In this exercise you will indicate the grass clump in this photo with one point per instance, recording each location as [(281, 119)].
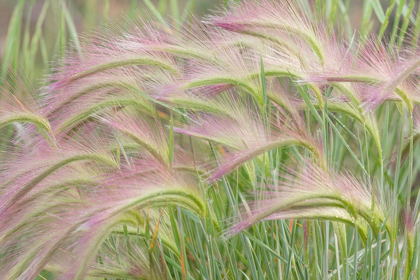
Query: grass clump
[(262, 142)]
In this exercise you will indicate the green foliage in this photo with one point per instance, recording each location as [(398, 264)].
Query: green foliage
[(182, 235)]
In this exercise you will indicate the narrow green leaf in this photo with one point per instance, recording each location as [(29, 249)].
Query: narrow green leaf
[(155, 12)]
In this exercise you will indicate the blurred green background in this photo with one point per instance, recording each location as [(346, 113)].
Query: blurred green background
[(33, 33), (88, 14)]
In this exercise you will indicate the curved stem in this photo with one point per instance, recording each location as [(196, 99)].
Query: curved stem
[(86, 113), (250, 154), (25, 117), (32, 183), (149, 61), (310, 40)]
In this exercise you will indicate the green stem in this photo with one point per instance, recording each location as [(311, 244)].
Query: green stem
[(410, 254), (148, 61), (410, 161), (81, 157), (25, 118)]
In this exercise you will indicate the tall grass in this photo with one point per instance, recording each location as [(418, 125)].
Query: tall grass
[(267, 140)]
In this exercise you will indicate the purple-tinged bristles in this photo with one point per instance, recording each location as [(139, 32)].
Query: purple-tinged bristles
[(145, 132), (152, 116), (125, 257), (382, 68), (86, 216), (263, 18), (245, 133), (19, 108), (312, 194)]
